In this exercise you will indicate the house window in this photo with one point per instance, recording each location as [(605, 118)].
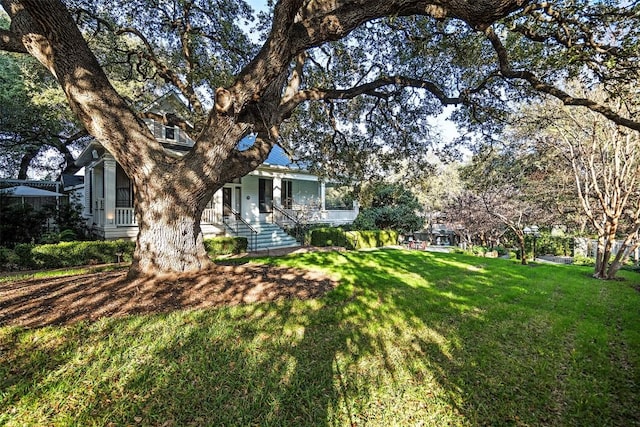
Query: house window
[(265, 195), (287, 193), (169, 132), (124, 189)]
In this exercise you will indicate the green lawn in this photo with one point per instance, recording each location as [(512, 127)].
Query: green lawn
[(409, 338)]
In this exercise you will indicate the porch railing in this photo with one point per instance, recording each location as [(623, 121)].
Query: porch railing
[(238, 223), (287, 221), (126, 217)]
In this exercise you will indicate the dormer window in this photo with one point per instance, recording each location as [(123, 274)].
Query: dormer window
[(170, 132)]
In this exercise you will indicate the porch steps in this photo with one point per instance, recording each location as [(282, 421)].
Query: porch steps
[(270, 236)]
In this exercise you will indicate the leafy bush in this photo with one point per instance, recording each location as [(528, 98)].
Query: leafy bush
[(373, 238), (584, 261), (69, 254), (23, 254), (8, 259), (553, 245), (19, 223), (330, 236), (50, 224), (389, 207), (225, 245)]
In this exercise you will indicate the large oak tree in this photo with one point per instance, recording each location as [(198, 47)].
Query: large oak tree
[(509, 47)]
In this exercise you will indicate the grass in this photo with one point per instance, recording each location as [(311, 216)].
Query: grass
[(408, 338)]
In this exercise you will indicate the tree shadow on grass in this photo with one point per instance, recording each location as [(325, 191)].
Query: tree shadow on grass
[(406, 338)]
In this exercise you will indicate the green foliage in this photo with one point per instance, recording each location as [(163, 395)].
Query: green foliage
[(364, 239), (75, 253), (225, 245), (554, 245), (330, 236), (8, 258), (19, 223), (34, 118), (69, 254), (584, 261), (23, 224), (357, 239), (23, 254), (389, 207)]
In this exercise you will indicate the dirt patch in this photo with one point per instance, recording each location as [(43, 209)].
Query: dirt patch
[(65, 300)]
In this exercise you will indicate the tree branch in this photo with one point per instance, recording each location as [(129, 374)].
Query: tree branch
[(372, 89), (10, 42), (539, 85)]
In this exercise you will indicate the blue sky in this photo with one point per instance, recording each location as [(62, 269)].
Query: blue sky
[(258, 4)]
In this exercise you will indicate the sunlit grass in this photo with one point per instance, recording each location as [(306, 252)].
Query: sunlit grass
[(408, 338)]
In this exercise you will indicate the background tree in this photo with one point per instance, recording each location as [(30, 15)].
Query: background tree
[(389, 207), (326, 58), (509, 181), (602, 160), (37, 134), (468, 217)]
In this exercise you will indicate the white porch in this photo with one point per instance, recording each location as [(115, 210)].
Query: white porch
[(257, 198)]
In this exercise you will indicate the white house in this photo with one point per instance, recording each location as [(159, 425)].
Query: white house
[(258, 205)]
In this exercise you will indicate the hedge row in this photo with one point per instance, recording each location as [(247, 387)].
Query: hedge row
[(71, 254), (330, 236)]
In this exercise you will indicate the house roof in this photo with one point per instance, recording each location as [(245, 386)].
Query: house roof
[(171, 102), (25, 191), (277, 156), (71, 180)]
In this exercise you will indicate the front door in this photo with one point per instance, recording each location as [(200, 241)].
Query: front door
[(265, 198), (231, 200), (226, 201)]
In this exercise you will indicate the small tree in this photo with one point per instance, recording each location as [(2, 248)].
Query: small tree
[(389, 207), (603, 158), (510, 183)]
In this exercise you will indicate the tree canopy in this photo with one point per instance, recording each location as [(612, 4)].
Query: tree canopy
[(389, 207), (334, 81)]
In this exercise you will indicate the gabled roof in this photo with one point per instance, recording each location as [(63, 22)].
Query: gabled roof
[(277, 155), (170, 102)]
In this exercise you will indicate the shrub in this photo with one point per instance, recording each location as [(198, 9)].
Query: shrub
[(69, 254), (554, 245), (330, 236), (225, 245), (389, 207), (584, 261), (8, 259), (24, 255)]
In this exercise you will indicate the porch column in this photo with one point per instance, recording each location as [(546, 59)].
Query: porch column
[(323, 196), (89, 185), (109, 192)]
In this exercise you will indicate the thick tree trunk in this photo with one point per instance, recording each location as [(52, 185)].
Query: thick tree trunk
[(170, 239)]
